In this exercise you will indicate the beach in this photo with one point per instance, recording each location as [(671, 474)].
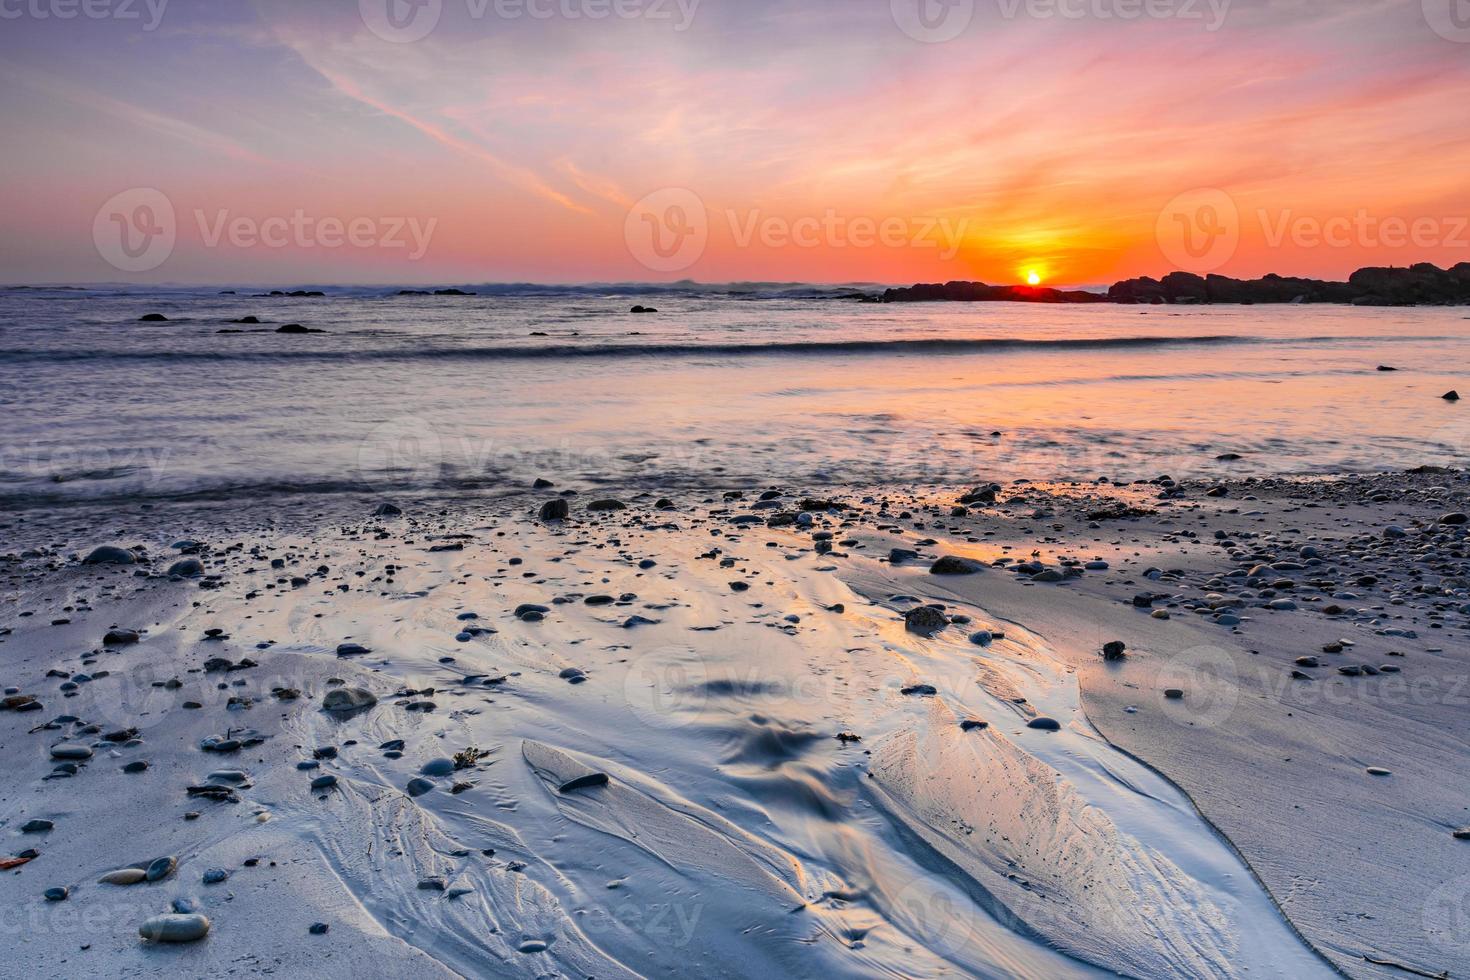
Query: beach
[(862, 730)]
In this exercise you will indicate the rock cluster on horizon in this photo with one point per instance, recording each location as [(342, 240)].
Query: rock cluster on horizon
[(1423, 284)]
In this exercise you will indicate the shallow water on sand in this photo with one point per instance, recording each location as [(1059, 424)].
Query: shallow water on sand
[(486, 393), (738, 836)]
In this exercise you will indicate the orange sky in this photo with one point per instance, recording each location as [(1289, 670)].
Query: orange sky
[(815, 141)]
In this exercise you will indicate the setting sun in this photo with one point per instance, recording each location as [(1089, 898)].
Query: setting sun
[(1033, 277)]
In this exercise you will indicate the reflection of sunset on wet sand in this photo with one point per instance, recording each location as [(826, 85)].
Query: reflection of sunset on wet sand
[(569, 488)]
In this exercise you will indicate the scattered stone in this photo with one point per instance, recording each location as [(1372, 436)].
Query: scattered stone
[(161, 868), (925, 620), (110, 555), (955, 565), (124, 876), (346, 700), (175, 928)]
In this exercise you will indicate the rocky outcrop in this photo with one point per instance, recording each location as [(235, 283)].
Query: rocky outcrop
[(979, 292), (1419, 285)]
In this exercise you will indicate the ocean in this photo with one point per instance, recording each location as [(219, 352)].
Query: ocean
[(732, 385)]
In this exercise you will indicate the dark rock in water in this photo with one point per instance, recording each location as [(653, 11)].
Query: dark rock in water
[(1451, 396), (187, 568), (388, 510), (152, 318), (110, 555), (1385, 367), (453, 292), (296, 328), (955, 565), (979, 292), (643, 309), (1454, 519), (542, 484), (925, 620), (248, 320), (1116, 650), (555, 510), (607, 505), (1044, 724)]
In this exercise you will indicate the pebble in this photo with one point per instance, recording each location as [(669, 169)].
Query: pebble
[(345, 700), (419, 786), (57, 894), (175, 928), (161, 868), (925, 620), (438, 767), (1044, 724), (215, 876), (123, 876), (75, 753), (954, 565), (110, 555)]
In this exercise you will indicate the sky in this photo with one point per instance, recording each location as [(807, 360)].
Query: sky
[(894, 141)]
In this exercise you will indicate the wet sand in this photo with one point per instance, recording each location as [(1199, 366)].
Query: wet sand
[(716, 736)]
